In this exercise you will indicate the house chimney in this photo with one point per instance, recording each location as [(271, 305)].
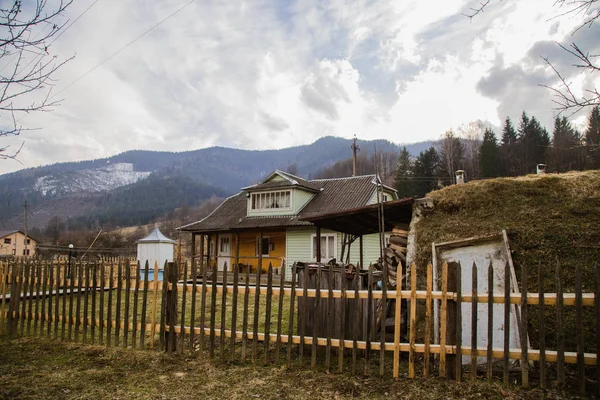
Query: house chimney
[(541, 169), (460, 176)]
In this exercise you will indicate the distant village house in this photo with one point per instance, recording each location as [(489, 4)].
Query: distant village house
[(12, 243)]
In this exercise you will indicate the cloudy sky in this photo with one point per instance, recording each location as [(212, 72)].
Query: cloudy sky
[(264, 74)]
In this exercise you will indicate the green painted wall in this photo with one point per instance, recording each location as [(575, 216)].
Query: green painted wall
[(298, 246), (299, 199)]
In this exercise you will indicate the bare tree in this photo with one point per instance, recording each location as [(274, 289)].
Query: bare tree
[(564, 97), (27, 66)]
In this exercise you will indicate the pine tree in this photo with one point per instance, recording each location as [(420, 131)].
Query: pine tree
[(592, 137), (509, 135), (426, 171), (533, 141), (403, 174), (565, 139), (489, 155), (508, 149)]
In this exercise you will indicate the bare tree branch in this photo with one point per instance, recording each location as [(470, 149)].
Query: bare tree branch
[(27, 28)]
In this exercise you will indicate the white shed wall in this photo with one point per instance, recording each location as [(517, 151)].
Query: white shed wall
[(155, 252)]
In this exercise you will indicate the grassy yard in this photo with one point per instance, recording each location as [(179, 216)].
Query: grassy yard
[(41, 368)]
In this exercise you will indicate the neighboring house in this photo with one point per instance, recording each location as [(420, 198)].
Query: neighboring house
[(274, 208), (12, 243)]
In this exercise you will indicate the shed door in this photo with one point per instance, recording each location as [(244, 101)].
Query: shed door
[(224, 251)]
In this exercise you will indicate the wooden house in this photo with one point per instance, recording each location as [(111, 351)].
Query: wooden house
[(268, 222)]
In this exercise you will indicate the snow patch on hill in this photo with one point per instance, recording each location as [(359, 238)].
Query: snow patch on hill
[(90, 180)]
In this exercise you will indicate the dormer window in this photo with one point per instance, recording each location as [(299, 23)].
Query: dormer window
[(276, 200)]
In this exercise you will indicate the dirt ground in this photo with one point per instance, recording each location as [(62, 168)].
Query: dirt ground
[(42, 368)]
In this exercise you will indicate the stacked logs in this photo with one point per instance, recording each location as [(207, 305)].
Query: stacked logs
[(395, 258)]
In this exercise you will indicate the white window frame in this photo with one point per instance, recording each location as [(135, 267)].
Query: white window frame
[(263, 201), (325, 257)]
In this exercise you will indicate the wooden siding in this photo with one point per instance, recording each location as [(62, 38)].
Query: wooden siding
[(248, 249)]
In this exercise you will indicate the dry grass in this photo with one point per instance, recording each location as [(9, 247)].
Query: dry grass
[(549, 218), (38, 368)]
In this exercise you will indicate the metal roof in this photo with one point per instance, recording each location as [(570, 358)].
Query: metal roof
[(365, 220), (156, 236), (332, 195)]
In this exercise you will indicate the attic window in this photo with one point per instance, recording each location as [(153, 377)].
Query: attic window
[(6, 240), (278, 200)]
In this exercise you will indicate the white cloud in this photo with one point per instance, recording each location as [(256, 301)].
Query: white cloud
[(265, 74)]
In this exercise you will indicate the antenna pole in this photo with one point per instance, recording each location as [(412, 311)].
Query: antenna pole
[(25, 225), (355, 149)]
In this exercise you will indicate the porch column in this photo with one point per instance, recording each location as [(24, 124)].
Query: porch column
[(260, 251), (208, 255), (361, 252), (193, 253), (216, 255), (237, 251), (318, 244), (202, 254)]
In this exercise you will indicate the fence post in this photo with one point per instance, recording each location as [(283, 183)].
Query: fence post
[(170, 307)]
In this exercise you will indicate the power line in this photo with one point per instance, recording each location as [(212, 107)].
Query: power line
[(123, 48)]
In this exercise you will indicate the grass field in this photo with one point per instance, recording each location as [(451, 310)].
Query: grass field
[(41, 368)]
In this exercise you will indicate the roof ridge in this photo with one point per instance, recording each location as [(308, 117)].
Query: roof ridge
[(343, 178)]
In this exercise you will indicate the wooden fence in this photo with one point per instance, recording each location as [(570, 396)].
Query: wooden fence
[(231, 318)]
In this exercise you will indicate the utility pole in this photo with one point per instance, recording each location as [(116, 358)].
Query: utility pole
[(25, 225), (355, 149)]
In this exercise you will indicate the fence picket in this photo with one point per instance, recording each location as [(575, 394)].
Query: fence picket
[(279, 314), (458, 331), (245, 316), (94, 290), (291, 315), (474, 323), (490, 325), (342, 323), (36, 315), (144, 303), (86, 302), (506, 329), (127, 267), (31, 296), (560, 334), (369, 317), (316, 308), (523, 330), (579, 334), (109, 305), (597, 313), (203, 306), (304, 314), (330, 325), (118, 306), (268, 305), (44, 288), (56, 307), (213, 305), (136, 294), (413, 321), (443, 321), (383, 319), (234, 298), (23, 292), (101, 301), (356, 319), (428, 307), (71, 299), (193, 308), (542, 327), (223, 313), (63, 330), (183, 304)]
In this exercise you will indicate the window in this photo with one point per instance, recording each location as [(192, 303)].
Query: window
[(265, 246), (385, 197), (6, 240), (328, 247), (224, 246), (280, 200), (25, 252), (28, 241)]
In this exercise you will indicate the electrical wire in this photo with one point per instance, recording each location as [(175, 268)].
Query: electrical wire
[(123, 48)]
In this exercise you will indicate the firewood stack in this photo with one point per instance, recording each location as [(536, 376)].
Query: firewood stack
[(395, 256)]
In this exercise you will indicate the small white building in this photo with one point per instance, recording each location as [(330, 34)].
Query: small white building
[(155, 248)]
